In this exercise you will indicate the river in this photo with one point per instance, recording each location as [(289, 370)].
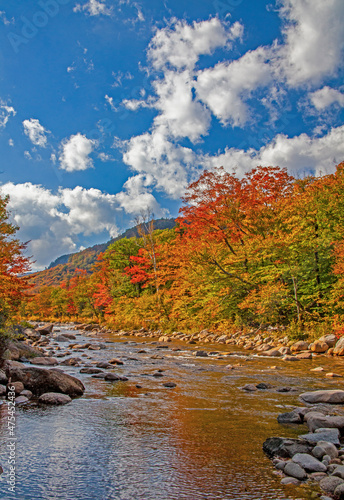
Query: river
[(200, 440)]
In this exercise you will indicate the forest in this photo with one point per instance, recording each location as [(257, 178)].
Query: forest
[(263, 249)]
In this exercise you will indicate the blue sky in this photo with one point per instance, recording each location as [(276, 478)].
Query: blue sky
[(109, 108)]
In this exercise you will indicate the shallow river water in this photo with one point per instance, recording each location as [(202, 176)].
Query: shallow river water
[(200, 440)]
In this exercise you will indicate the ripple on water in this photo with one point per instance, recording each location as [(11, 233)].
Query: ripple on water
[(201, 440)]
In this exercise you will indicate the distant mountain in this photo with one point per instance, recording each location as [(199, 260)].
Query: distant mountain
[(63, 268)]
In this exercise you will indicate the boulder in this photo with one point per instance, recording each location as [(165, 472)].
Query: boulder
[(339, 347), (316, 420), (3, 390), (295, 470), (104, 364), (339, 471), (116, 362), (319, 346), (304, 355), (301, 345), (339, 492), (71, 362), (326, 435), (90, 371), (308, 462), (54, 398), (325, 448), (330, 339), (62, 338), (292, 417), (40, 381), (334, 396), (3, 377), (18, 387), (19, 400), (285, 447), (330, 483), (44, 361), (45, 329), (170, 384)]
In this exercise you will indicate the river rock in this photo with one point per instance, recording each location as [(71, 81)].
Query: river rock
[(308, 462), (339, 347), (290, 358), (304, 355), (301, 345), (315, 421), (285, 447), (19, 400), (112, 377), (330, 339), (319, 346), (3, 377), (292, 417), (339, 471), (339, 492), (330, 483), (170, 384), (104, 364), (327, 435), (46, 329), (62, 338), (40, 380), (335, 396), (324, 448), (295, 470), (116, 362), (274, 353), (90, 371), (290, 480), (54, 398), (3, 390), (44, 361), (202, 354), (18, 387), (71, 362), (28, 394)]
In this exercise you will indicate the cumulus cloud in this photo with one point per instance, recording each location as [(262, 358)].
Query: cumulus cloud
[(300, 154), (5, 113), (180, 45), (182, 115), (135, 197), (226, 86), (313, 44), (55, 221), (94, 8), (75, 153), (36, 132), (166, 164), (325, 97)]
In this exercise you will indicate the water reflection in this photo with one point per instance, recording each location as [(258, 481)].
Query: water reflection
[(201, 440)]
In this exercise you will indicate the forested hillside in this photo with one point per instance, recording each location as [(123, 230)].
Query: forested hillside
[(64, 267), (266, 249)]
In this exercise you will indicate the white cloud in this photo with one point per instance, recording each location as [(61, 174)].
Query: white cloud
[(182, 115), (27, 155), (10, 142), (181, 45), (75, 153), (135, 104), (314, 34), (36, 132), (4, 18), (5, 113), (109, 100), (226, 87), (105, 157), (167, 165), (94, 8), (136, 198), (298, 154), (54, 222), (325, 97)]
